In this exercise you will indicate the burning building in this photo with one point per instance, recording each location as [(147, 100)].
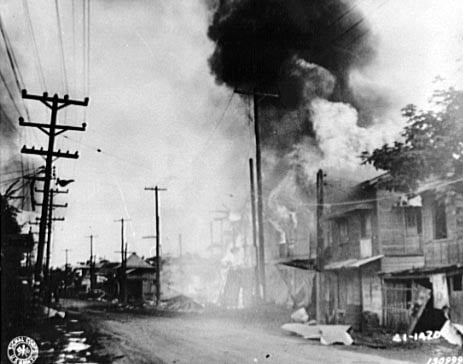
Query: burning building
[(305, 53)]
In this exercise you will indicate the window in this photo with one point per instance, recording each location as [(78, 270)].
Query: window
[(365, 225), (440, 221), (343, 229), (412, 221), (457, 282)]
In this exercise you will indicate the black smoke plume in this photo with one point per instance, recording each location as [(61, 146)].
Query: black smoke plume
[(255, 40)]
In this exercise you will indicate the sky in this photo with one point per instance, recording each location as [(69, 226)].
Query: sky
[(157, 117)]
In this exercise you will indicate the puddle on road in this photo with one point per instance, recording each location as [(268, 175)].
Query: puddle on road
[(71, 346)]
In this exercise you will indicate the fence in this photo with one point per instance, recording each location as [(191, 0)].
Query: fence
[(396, 305)]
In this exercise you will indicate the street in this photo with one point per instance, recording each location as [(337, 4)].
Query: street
[(204, 338), (224, 181)]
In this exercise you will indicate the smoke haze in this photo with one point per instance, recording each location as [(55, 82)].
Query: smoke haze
[(161, 113)]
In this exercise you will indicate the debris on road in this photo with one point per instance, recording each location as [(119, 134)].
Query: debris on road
[(335, 334), (52, 313), (300, 315), (453, 333), (327, 334), (306, 331)]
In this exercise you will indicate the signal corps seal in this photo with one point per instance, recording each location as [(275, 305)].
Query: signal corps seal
[(22, 350)]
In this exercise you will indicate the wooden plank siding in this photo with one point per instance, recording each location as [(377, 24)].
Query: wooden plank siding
[(371, 289), (400, 263), (391, 227), (447, 251)]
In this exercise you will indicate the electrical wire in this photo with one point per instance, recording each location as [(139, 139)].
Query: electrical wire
[(84, 48), (63, 58), (111, 155), (357, 24), (37, 58), (88, 50), (74, 48), (13, 64), (9, 93), (10, 123), (219, 122)]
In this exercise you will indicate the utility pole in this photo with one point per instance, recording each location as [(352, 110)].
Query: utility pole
[(66, 271), (123, 291), (47, 264), (320, 240), (257, 96), (156, 190), (52, 129), (320, 246), (180, 245), (253, 221), (92, 262), (66, 251), (50, 219)]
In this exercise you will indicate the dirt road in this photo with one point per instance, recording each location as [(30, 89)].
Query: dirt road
[(202, 339)]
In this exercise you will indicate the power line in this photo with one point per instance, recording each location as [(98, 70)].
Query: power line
[(357, 24), (87, 91), (38, 63), (84, 42), (214, 130), (74, 48), (9, 93), (13, 63), (10, 123), (63, 60)]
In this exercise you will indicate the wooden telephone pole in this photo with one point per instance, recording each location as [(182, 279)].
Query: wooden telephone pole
[(320, 247), (50, 219), (253, 220), (257, 96), (92, 262), (123, 251), (66, 271), (52, 129), (49, 222), (156, 190)]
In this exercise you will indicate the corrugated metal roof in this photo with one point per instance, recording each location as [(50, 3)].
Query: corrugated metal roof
[(351, 263)]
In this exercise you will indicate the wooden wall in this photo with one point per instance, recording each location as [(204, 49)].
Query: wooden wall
[(371, 289), (456, 302), (440, 252), (391, 227)]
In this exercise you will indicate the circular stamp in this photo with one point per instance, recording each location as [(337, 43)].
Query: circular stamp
[(22, 350)]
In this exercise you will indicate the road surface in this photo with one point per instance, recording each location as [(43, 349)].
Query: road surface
[(139, 339)]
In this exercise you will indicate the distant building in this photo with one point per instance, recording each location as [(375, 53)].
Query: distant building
[(141, 279)]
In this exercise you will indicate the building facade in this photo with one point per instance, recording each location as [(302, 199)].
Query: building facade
[(382, 247)]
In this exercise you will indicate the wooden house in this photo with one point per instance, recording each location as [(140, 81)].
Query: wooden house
[(141, 279), (381, 246)]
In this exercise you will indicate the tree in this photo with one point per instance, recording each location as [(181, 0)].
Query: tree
[(431, 145)]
